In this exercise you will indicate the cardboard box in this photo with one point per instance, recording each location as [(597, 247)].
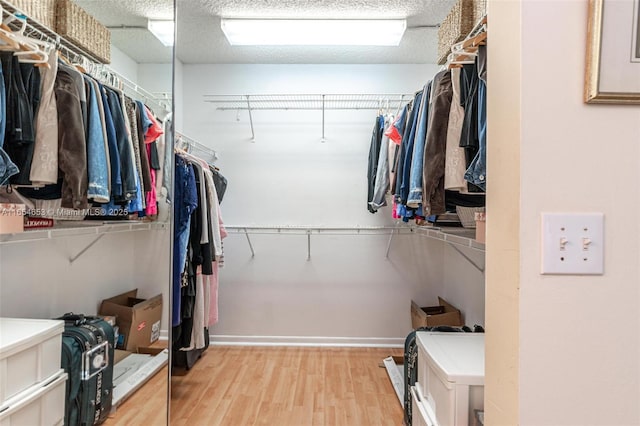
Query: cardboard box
[(481, 233), (138, 320), (11, 218), (428, 316)]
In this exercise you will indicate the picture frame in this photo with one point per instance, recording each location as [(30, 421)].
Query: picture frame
[(613, 52)]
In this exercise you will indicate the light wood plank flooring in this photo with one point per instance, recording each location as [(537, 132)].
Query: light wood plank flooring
[(279, 386)]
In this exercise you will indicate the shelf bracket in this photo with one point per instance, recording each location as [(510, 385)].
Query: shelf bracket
[(253, 133), (308, 245), (393, 232), (323, 140), (246, 234), (84, 250), (475, 265)]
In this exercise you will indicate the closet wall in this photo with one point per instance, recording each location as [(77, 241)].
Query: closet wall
[(577, 357), (36, 278), (348, 292)]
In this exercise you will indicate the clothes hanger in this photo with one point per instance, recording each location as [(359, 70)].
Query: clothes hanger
[(30, 50)]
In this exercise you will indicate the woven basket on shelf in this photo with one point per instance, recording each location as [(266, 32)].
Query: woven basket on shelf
[(41, 11), (82, 29), (467, 215), (464, 15)]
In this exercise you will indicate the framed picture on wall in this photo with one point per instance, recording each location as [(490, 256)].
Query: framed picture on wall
[(613, 52)]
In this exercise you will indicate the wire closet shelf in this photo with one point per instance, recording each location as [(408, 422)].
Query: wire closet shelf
[(308, 101), (383, 102), (196, 148), (86, 59)]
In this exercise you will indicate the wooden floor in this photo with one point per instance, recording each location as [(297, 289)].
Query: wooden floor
[(293, 386)]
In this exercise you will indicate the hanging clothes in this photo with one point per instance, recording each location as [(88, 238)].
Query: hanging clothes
[(44, 167), (477, 171), (381, 183), (414, 197), (455, 157), (19, 130), (433, 202), (72, 145), (186, 200), (395, 133), (7, 167), (374, 154), (97, 157)]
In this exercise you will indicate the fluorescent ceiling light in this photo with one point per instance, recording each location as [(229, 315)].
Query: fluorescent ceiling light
[(314, 32), (163, 30)]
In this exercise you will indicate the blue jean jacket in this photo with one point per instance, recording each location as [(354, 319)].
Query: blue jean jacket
[(414, 199), (477, 171), (407, 143), (97, 165)]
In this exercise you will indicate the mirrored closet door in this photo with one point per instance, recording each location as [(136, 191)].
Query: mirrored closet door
[(107, 250)]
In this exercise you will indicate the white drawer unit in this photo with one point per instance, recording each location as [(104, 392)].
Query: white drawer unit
[(30, 351), (421, 411), (41, 405), (451, 375)]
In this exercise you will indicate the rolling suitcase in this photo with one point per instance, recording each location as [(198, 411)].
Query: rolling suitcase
[(87, 357)]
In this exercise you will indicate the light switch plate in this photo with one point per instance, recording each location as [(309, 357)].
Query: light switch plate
[(573, 243)]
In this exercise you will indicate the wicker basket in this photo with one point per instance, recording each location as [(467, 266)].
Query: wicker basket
[(82, 29), (41, 11), (464, 15), (467, 215)]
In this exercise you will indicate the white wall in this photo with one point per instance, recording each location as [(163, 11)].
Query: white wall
[(579, 355), (287, 177), (123, 64), (38, 281), (178, 99), (156, 78)]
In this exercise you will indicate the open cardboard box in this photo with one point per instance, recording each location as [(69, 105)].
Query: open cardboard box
[(432, 316), (138, 320)]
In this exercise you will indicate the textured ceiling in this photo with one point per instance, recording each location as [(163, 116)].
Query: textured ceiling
[(200, 39)]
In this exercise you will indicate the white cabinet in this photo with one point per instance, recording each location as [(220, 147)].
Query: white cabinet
[(30, 351), (451, 376)]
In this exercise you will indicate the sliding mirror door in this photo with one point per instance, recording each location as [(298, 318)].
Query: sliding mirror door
[(75, 265)]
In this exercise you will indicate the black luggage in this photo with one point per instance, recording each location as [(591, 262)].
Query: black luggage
[(87, 357)]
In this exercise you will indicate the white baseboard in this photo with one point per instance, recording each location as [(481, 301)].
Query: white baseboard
[(359, 342), (164, 334)]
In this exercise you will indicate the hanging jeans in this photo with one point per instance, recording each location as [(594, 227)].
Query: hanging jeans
[(97, 165), (117, 194), (414, 198), (407, 142)]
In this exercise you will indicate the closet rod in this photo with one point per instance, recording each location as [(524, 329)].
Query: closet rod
[(83, 57), (308, 231), (455, 237)]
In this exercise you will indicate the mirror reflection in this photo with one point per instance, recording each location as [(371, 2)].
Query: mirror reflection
[(319, 274), (85, 224)]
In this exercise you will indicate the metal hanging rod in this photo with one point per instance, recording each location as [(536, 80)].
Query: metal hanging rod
[(309, 102), (85, 58), (455, 237)]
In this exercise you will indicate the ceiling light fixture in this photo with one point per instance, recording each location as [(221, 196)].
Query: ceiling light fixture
[(314, 32), (163, 30)]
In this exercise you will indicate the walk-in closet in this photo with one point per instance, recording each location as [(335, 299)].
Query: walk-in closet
[(264, 222)]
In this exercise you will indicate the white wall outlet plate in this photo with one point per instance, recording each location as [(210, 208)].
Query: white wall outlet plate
[(573, 243)]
